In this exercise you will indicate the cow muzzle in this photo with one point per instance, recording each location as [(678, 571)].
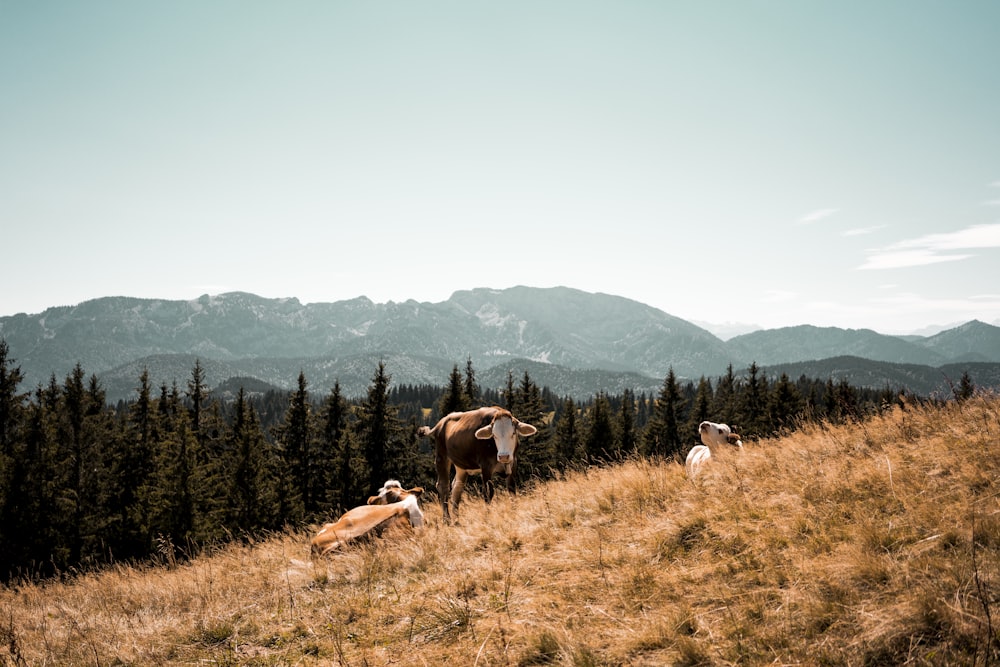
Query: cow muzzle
[(504, 458)]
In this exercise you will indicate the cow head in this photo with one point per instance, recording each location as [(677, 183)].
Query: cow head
[(393, 492), (505, 429)]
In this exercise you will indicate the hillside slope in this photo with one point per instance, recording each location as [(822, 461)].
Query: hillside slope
[(864, 544)]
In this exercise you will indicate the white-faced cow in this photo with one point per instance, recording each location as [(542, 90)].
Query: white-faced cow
[(478, 441), (718, 434), (391, 492), (712, 435), (378, 515)]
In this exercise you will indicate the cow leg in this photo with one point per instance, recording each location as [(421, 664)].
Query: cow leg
[(487, 485), (511, 481), (444, 484), (457, 487)]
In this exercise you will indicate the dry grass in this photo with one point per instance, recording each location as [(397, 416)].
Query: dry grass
[(866, 544)]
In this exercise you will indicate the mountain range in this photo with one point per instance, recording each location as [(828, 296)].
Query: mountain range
[(575, 342)]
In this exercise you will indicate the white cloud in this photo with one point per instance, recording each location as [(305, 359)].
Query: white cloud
[(991, 202), (903, 258), (861, 231), (933, 248), (817, 215), (995, 184)]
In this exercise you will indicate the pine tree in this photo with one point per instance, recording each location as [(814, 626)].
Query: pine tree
[(509, 394), (724, 402), (663, 431), (536, 454), (34, 518), (173, 507), (599, 438), (786, 403), (471, 388), (753, 420), (966, 387), (131, 469), (253, 492), (295, 437), (342, 479), (197, 390), (567, 441), (454, 398), (627, 441), (12, 459), (701, 410), (379, 430)]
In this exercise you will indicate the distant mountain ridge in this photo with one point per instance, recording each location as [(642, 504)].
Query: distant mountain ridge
[(571, 336)]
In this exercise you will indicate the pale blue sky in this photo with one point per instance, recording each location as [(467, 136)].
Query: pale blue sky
[(776, 163)]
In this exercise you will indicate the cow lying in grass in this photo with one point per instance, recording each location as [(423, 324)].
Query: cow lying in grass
[(712, 435), (394, 506)]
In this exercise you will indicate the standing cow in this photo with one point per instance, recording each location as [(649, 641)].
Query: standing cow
[(478, 441)]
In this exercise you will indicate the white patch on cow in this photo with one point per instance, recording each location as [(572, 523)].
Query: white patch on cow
[(696, 458), (504, 436), (412, 505)]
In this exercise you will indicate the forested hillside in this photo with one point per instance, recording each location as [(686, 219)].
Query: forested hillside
[(84, 483)]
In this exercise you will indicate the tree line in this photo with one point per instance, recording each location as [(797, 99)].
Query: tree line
[(84, 483)]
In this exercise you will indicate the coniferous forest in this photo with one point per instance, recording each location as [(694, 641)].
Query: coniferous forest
[(84, 483)]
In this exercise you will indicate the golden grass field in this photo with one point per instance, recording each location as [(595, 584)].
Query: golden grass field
[(866, 544)]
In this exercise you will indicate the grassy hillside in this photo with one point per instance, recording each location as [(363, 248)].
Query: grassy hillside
[(866, 544)]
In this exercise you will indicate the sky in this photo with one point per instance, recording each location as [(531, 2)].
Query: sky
[(767, 163)]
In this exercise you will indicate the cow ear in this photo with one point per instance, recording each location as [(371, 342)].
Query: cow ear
[(416, 491), (485, 433), (526, 429)]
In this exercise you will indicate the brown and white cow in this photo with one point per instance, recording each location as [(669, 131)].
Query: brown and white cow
[(478, 441), (373, 518)]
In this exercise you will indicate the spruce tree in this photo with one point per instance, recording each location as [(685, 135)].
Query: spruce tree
[(724, 402), (173, 508), (33, 519), (472, 394), (966, 387), (663, 430), (295, 438), (131, 469), (567, 440), (627, 441), (379, 431), (599, 439), (253, 491), (454, 398), (536, 455), (752, 420), (786, 404), (12, 459), (197, 391), (342, 480), (701, 410)]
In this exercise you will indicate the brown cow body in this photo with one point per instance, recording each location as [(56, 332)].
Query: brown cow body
[(480, 441), (373, 518)]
